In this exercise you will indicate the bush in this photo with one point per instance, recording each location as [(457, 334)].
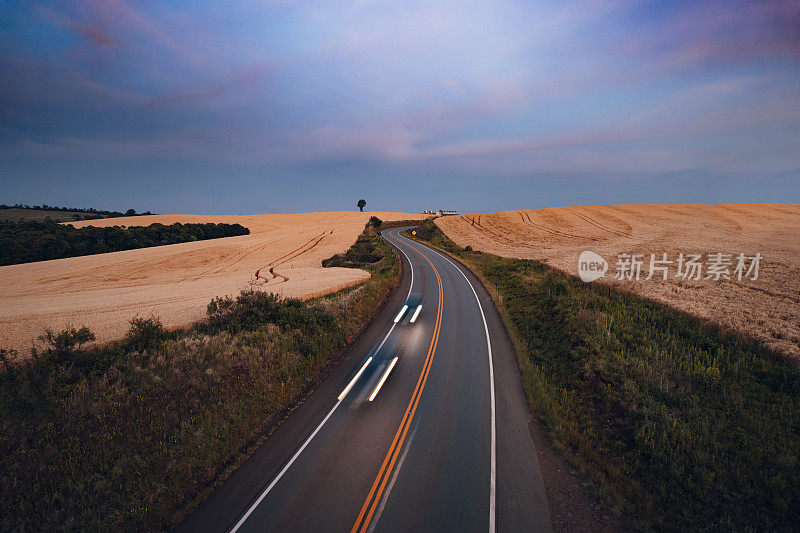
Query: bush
[(248, 311), (6, 356), (66, 342), (360, 255), (375, 222), (252, 310), (426, 230), (145, 334)]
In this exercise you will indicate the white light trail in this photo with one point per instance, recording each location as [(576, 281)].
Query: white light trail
[(400, 314), (380, 383), (353, 381)]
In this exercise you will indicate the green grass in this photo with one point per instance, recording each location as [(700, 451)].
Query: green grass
[(126, 436), (676, 423)]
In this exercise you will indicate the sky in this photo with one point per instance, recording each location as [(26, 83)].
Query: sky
[(244, 106)]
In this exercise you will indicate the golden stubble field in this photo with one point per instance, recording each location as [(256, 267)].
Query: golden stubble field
[(282, 254), (767, 308)]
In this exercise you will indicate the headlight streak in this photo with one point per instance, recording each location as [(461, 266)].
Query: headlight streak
[(353, 381), (380, 383), (400, 314)]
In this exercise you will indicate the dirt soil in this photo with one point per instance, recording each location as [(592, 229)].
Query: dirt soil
[(767, 308), (282, 254)]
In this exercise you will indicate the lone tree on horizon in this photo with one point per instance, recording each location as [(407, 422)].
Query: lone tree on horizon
[(361, 204)]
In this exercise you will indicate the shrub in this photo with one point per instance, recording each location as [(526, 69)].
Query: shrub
[(247, 311), (360, 255), (375, 222), (6, 356), (426, 230), (67, 341), (145, 334), (253, 309)]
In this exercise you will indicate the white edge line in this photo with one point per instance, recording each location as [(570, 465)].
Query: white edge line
[(493, 465), (400, 314), (274, 482), (380, 383), (378, 349), (283, 470), (353, 381), (416, 314), (410, 266)]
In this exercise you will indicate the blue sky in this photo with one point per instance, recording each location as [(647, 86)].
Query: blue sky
[(283, 106)]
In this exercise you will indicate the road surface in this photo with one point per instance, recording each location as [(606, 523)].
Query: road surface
[(441, 447)]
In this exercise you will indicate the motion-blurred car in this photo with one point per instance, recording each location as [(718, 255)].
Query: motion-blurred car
[(410, 311)]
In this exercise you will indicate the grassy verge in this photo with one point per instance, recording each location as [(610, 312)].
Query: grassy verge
[(676, 423), (122, 436)]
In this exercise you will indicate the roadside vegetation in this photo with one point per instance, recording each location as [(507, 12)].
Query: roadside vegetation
[(38, 240), (677, 423), (364, 252), (128, 436)]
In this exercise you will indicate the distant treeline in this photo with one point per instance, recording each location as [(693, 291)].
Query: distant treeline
[(38, 240), (99, 213)]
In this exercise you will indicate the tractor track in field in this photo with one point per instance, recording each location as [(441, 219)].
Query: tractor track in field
[(526, 219), (236, 258), (297, 252), (600, 226), (476, 223)]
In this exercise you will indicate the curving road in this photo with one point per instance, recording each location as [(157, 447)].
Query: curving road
[(443, 445)]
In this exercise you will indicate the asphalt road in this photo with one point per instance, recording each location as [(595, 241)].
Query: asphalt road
[(441, 447)]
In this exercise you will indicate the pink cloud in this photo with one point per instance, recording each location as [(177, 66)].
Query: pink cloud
[(94, 34), (708, 33)]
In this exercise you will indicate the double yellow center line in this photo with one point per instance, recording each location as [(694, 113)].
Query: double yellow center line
[(385, 472)]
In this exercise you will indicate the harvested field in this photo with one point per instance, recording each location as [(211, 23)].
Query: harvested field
[(282, 254), (767, 308)]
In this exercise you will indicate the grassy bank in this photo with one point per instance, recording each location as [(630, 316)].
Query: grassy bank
[(124, 436), (677, 424)]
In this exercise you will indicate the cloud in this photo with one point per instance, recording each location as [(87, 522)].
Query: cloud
[(716, 33), (122, 15), (521, 86), (94, 34)]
